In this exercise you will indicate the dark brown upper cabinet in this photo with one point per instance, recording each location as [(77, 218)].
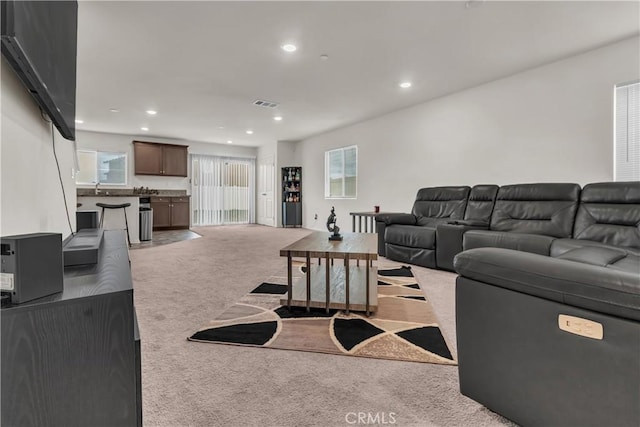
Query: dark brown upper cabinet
[(151, 158)]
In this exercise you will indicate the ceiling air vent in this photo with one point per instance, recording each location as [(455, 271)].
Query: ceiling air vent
[(263, 103)]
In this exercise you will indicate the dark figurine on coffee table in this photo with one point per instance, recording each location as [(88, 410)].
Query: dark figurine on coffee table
[(331, 226)]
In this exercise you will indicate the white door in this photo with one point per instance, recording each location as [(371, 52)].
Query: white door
[(266, 181)]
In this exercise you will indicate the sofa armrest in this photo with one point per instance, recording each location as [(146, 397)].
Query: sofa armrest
[(592, 287), (482, 224), (397, 218), (449, 242)]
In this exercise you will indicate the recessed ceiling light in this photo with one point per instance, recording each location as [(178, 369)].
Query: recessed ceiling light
[(229, 142), (114, 110), (220, 127), (249, 132), (144, 129), (405, 85), (277, 118), (152, 112), (324, 56), (79, 121), (289, 47)]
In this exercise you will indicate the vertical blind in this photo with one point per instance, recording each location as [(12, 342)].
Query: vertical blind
[(222, 190), (627, 132)]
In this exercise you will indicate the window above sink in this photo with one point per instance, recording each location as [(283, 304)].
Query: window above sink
[(101, 167)]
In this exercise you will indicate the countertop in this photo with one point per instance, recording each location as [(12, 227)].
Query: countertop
[(110, 192)]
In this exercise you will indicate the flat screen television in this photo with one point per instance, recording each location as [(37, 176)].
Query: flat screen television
[(39, 41)]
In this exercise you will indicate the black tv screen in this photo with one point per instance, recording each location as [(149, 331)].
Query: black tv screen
[(39, 41)]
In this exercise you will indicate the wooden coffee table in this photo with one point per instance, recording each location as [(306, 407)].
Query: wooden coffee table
[(342, 287)]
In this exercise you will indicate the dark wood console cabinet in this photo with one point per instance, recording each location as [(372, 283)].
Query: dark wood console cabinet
[(73, 358), (170, 212), (151, 158)]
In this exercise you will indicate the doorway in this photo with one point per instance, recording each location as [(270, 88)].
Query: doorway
[(266, 182)]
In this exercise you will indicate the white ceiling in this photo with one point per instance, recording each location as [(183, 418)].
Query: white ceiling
[(202, 64)]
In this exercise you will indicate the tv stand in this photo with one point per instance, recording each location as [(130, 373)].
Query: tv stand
[(73, 358)]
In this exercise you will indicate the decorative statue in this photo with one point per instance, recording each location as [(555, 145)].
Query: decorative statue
[(331, 226)]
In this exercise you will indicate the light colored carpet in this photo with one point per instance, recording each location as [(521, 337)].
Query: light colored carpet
[(181, 286)]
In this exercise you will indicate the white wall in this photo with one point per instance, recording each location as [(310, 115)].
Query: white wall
[(553, 123), (123, 143), (31, 196)]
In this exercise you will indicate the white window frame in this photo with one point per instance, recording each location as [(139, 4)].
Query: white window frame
[(327, 175), (126, 168), (629, 136)]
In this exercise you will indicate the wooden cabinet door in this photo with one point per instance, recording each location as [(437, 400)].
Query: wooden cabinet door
[(180, 212), (161, 212), (175, 160), (148, 158)]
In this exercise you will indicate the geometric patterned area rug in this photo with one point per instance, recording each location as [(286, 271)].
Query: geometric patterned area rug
[(403, 328)]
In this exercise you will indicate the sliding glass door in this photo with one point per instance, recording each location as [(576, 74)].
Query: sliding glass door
[(222, 190)]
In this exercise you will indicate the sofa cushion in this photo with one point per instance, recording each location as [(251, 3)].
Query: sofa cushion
[(594, 256), (560, 246), (533, 243), (546, 209), (602, 289), (481, 201), (605, 256), (435, 205), (609, 212), (411, 235)]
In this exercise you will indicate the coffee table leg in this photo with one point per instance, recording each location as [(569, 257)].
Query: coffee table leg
[(367, 286), (308, 281), (327, 278), (289, 280), (346, 282)]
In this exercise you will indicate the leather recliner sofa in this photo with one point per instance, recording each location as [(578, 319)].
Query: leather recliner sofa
[(431, 235), (528, 217), (412, 237), (555, 340)]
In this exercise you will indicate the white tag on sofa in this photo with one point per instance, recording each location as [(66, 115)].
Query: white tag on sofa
[(579, 326)]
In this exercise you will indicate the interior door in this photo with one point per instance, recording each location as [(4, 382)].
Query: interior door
[(266, 205)]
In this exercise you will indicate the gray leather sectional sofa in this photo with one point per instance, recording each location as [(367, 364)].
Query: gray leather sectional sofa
[(548, 302)]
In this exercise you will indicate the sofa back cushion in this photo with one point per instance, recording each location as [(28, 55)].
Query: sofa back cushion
[(547, 209), (482, 198), (609, 212), (440, 204)]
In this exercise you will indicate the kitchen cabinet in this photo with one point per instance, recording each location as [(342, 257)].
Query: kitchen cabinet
[(170, 212), (151, 158)]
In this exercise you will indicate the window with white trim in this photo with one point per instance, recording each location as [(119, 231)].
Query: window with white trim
[(626, 156), (341, 173), (101, 167)]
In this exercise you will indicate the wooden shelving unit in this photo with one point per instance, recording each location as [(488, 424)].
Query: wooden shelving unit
[(291, 179)]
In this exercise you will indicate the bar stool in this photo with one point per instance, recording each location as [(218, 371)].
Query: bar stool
[(124, 207)]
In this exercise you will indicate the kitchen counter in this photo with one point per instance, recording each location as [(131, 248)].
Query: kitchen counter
[(114, 218), (127, 192)]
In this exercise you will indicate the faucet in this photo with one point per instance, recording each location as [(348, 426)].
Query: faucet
[(97, 190)]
